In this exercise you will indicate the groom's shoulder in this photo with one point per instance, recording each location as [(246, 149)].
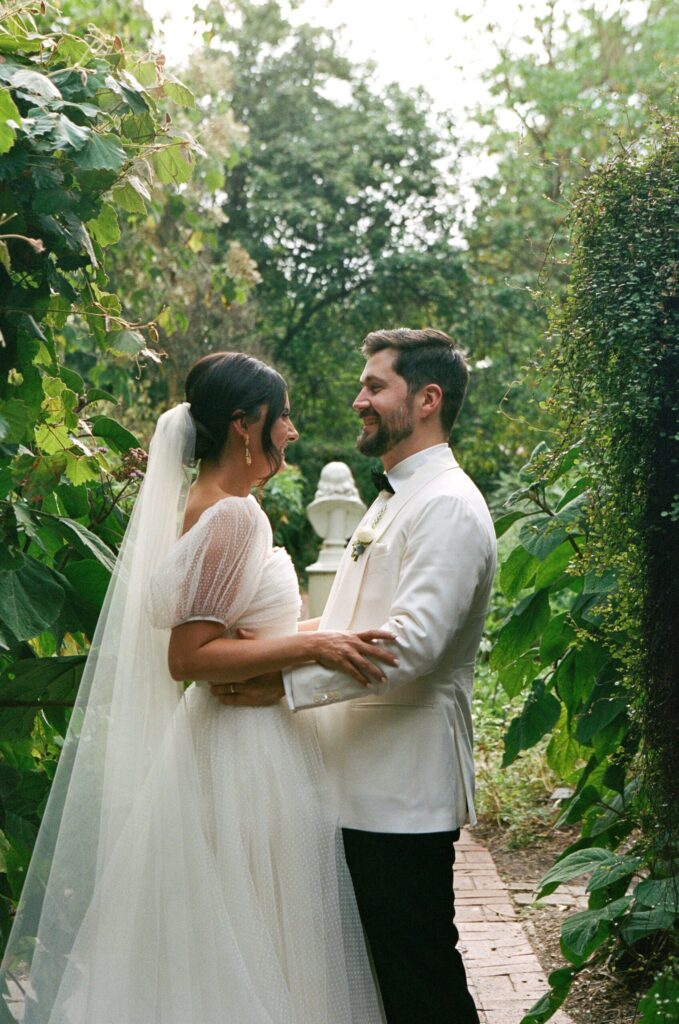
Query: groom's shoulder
[(455, 483), (451, 490)]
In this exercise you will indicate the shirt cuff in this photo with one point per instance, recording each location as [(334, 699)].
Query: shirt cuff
[(287, 683)]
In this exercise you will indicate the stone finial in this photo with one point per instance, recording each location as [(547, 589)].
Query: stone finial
[(336, 479), (334, 514)]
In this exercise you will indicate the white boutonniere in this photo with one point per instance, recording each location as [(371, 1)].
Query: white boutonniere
[(364, 536)]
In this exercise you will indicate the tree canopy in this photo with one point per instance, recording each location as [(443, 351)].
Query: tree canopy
[(584, 84), (339, 198)]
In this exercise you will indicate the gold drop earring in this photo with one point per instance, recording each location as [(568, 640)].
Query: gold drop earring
[(248, 457)]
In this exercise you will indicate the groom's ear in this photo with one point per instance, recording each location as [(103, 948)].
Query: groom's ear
[(430, 399)]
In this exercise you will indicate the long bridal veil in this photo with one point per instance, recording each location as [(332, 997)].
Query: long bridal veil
[(125, 703)]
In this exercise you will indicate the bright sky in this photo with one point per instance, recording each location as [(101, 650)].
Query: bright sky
[(413, 43)]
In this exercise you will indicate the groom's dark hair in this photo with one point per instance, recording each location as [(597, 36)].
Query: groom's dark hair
[(426, 357)]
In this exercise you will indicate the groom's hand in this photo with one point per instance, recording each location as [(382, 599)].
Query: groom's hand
[(259, 692)]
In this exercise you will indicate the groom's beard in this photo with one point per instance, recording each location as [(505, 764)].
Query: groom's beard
[(388, 433)]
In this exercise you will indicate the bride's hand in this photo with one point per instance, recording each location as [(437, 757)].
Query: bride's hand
[(351, 652)]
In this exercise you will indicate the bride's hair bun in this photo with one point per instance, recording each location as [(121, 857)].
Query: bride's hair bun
[(205, 442), (222, 386)]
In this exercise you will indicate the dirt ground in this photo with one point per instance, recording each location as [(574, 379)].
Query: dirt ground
[(598, 996)]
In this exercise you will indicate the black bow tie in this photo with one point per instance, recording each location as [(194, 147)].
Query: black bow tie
[(381, 481)]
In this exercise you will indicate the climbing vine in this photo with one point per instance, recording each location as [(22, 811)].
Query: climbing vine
[(593, 638)]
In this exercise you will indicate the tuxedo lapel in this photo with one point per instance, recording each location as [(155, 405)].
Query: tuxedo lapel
[(345, 589), (347, 583)]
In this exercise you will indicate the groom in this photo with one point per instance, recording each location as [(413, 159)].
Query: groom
[(399, 753)]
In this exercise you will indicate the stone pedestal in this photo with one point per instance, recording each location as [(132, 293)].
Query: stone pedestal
[(334, 514)]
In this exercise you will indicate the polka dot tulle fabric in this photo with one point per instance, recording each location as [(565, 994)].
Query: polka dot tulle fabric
[(227, 900)]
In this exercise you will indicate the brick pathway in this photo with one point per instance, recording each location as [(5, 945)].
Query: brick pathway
[(504, 974)]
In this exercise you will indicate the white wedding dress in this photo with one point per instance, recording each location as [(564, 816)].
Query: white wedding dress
[(224, 897)]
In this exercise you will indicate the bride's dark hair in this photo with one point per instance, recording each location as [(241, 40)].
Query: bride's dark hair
[(222, 386)]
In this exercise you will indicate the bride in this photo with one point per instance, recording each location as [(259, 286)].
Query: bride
[(189, 868)]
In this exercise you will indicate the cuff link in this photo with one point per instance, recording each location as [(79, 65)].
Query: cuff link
[(327, 698)]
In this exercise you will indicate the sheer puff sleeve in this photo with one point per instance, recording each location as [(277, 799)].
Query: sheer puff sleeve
[(213, 571)]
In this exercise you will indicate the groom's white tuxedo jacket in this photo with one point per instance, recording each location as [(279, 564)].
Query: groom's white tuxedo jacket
[(399, 754)]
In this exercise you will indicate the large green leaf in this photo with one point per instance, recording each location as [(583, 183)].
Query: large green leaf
[(571, 513), (661, 893), (602, 713), (603, 584), (539, 714), (557, 637), (515, 676), (615, 871), (177, 91), (14, 39), (641, 923), (126, 342), (579, 487), (84, 540), (614, 777), (81, 469), (30, 599), (571, 866), (563, 750), (34, 683), (29, 84), (173, 164), (19, 419), (71, 50), (542, 536), (102, 153), (506, 521), (52, 438), (99, 395), (554, 565), (520, 631), (131, 195), (582, 933), (90, 580), (105, 229), (559, 986), (116, 435), (517, 571), (10, 120), (619, 812), (72, 380), (53, 131), (576, 674)]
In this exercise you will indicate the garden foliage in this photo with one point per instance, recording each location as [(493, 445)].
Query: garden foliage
[(583, 81), (97, 214), (84, 136), (592, 640)]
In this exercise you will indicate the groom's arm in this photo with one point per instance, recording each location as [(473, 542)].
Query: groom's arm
[(448, 555)]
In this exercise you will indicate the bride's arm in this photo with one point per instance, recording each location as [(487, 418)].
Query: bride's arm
[(308, 625), (199, 650)]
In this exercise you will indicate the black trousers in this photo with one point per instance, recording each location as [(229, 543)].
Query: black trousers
[(404, 891)]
